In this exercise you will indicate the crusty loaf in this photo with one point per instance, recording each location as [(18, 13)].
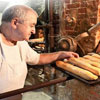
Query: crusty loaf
[(91, 53), (92, 58), (76, 70), (96, 64), (94, 55), (85, 65)]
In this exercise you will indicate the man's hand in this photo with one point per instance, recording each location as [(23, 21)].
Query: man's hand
[(67, 55)]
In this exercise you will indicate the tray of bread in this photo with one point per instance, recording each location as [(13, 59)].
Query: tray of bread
[(86, 68)]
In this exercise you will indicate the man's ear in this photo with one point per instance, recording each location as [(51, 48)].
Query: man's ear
[(14, 23)]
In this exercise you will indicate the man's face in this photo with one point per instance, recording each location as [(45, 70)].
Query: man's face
[(26, 28)]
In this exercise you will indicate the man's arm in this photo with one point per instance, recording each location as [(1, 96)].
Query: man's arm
[(47, 58)]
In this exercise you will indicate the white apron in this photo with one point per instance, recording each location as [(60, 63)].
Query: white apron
[(12, 76)]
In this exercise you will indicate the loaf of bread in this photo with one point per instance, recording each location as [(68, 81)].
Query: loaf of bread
[(96, 64), (76, 70), (94, 55), (85, 65), (91, 53), (92, 58)]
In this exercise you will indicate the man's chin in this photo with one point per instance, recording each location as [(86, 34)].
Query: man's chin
[(26, 39)]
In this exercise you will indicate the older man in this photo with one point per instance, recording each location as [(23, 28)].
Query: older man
[(17, 24)]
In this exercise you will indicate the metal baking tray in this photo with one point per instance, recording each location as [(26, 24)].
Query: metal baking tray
[(79, 78)]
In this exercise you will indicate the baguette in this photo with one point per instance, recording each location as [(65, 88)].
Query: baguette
[(94, 55), (96, 64), (85, 65), (76, 70), (91, 53), (92, 58)]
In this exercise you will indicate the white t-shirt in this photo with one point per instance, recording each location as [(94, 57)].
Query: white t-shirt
[(12, 53), (28, 54), (13, 69)]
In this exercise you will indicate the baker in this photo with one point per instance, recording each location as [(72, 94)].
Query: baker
[(17, 24)]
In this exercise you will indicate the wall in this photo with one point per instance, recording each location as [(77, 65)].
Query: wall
[(79, 16), (98, 15)]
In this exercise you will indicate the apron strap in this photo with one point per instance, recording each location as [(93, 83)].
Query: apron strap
[(1, 53)]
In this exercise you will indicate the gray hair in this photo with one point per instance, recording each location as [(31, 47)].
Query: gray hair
[(19, 11)]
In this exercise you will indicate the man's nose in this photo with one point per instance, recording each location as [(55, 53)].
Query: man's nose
[(33, 31)]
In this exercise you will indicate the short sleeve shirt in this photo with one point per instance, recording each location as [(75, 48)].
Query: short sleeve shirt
[(28, 54)]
